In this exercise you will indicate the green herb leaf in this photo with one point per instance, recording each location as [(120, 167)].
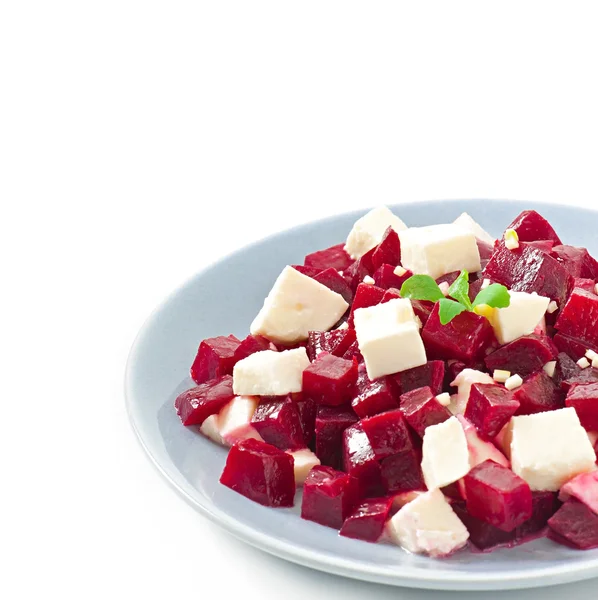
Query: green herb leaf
[(495, 295), (421, 287), (449, 309), (460, 290)]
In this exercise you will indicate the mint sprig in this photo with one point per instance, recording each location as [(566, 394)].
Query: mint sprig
[(423, 287)]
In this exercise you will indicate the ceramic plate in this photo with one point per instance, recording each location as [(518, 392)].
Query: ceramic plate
[(223, 299)]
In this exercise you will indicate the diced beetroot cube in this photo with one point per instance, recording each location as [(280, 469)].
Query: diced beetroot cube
[(373, 397), (402, 472), (465, 338), (330, 380), (353, 353), (261, 473), (429, 375), (391, 294), (583, 487), (544, 505), (588, 285), (565, 368), (334, 281), (366, 295), (574, 347), (330, 424), (277, 420), (498, 496), (422, 309), (367, 521), (577, 261), (524, 356), (388, 250), (359, 269), (388, 433), (448, 278), (481, 534), (489, 407), (250, 345), (579, 316), (195, 405), (584, 399), (542, 245), (307, 409), (531, 226), (334, 257), (421, 409), (539, 393), (309, 271), (329, 496), (385, 277), (359, 460), (335, 342), (574, 525), (215, 357)]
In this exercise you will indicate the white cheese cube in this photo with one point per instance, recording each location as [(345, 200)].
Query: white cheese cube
[(369, 231), (428, 525), (270, 373), (296, 305), (303, 462), (549, 448), (465, 221), (439, 249), (445, 454), (521, 317), (234, 420), (389, 338), (463, 382), (211, 429)]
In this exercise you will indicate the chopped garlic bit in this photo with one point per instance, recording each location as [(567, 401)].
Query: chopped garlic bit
[(591, 355), (549, 368), (596, 289), (400, 271), (500, 375), (552, 307), (342, 326), (511, 239), (369, 280), (444, 287), (513, 382), (444, 398), (485, 284), (583, 363), (595, 363)]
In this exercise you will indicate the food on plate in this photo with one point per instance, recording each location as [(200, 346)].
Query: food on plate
[(430, 387)]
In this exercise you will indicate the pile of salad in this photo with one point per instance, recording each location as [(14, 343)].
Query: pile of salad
[(430, 387)]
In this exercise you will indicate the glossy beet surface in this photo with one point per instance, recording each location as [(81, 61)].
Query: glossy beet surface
[(577, 261), (402, 472), (250, 345), (307, 410), (385, 277), (489, 408), (360, 461), (573, 347), (195, 405), (261, 473), (539, 393), (579, 316), (367, 521), (278, 422), (483, 535), (498, 496), (366, 295), (334, 257), (524, 356), (584, 399), (329, 496), (421, 409), (215, 357), (531, 226), (355, 273), (334, 281), (330, 380), (388, 251), (575, 525), (372, 397), (429, 375), (387, 433), (583, 487), (329, 427), (335, 342)]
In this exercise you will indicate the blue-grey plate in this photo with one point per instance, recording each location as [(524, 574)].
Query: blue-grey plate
[(223, 299)]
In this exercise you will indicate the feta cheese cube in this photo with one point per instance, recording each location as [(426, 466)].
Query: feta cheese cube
[(234, 420), (270, 373), (513, 382), (521, 317), (296, 305), (211, 429), (303, 462), (550, 368), (463, 382), (549, 448), (439, 249), (465, 221), (445, 454), (388, 337), (368, 231), (428, 525)]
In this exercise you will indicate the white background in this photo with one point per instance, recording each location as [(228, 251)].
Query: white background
[(140, 141)]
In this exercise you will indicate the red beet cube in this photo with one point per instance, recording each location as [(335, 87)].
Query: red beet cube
[(498, 496), (329, 427), (359, 460), (373, 397), (330, 380), (388, 250), (429, 375), (195, 405), (531, 226), (307, 410), (584, 399), (334, 257), (422, 309), (367, 521), (421, 409), (565, 368), (448, 277), (334, 281), (574, 525), (277, 421), (250, 345), (579, 316), (385, 277), (490, 407), (309, 271), (577, 261), (388, 433), (215, 357), (335, 342), (402, 472), (261, 473), (353, 353), (359, 269), (391, 294), (544, 505), (465, 338), (539, 393), (523, 356), (588, 285), (481, 534), (366, 295), (329, 496), (574, 347)]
